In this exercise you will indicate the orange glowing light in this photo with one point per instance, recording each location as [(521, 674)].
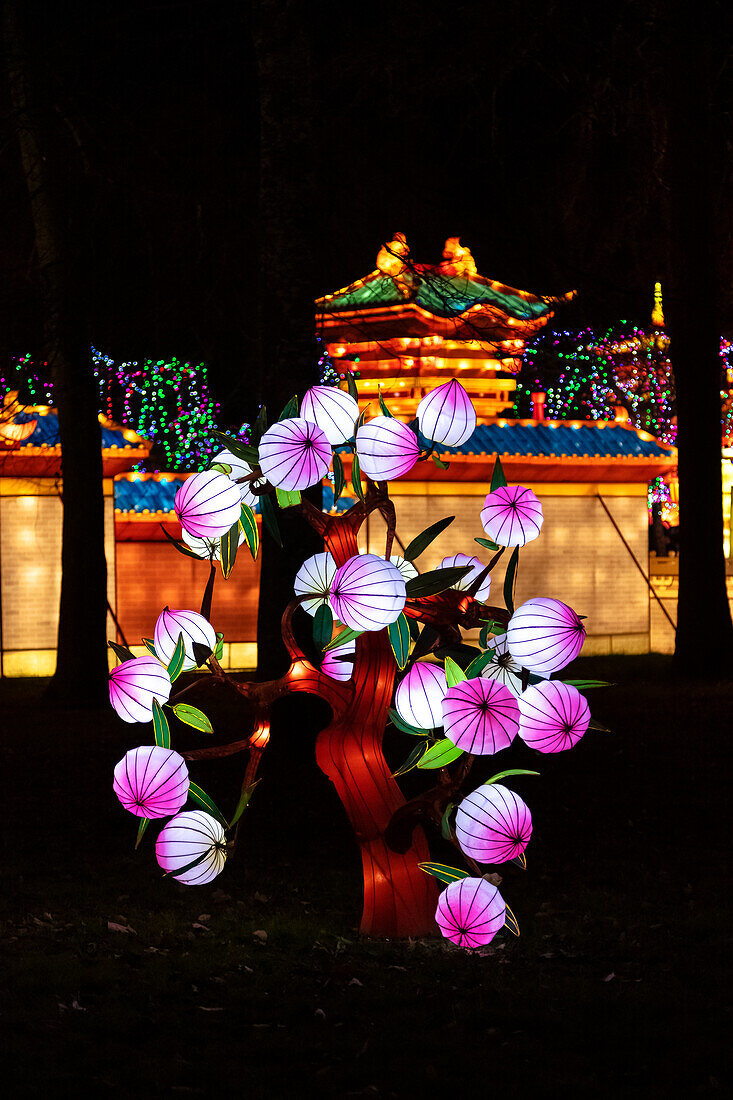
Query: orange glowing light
[(261, 735)]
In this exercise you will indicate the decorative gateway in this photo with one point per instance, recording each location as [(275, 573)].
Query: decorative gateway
[(390, 639)]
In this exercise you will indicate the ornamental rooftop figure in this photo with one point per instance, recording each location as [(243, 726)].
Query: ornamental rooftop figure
[(411, 326)]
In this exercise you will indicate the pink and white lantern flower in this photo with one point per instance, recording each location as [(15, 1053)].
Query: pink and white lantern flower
[(239, 469), (367, 593), (294, 454), (314, 579), (334, 667), (406, 568), (552, 716), (470, 912), (151, 781), (512, 515), (477, 567), (193, 835), (419, 697), (334, 411), (386, 448), (207, 549), (502, 667), (493, 824), (193, 627), (446, 415), (480, 716), (134, 685), (544, 635), (207, 505)]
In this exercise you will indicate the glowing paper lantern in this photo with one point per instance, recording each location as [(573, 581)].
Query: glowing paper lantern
[(207, 504), (151, 781), (333, 667), (207, 549), (544, 635), (446, 415), (512, 515), (480, 716), (189, 836), (457, 560), (406, 568), (134, 684), (334, 411), (193, 627), (419, 698), (367, 593), (240, 468), (386, 448), (470, 912), (493, 824), (502, 667), (552, 716), (294, 454), (314, 578)]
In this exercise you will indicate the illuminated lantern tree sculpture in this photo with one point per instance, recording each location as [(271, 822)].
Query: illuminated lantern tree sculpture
[(390, 640)]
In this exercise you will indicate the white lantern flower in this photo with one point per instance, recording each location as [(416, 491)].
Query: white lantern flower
[(207, 549), (386, 448), (456, 561), (334, 411), (503, 668), (294, 454), (207, 504), (367, 593), (446, 415), (419, 697), (406, 568), (314, 579), (193, 627), (544, 635), (193, 835), (239, 469)]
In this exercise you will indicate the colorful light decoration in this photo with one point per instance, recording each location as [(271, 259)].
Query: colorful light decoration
[(193, 837), (367, 593), (314, 579), (446, 415), (470, 912), (419, 697), (134, 685), (480, 716), (207, 505), (544, 635), (512, 515), (468, 579), (553, 716), (493, 824), (194, 628), (386, 448), (334, 411), (151, 781), (294, 454)]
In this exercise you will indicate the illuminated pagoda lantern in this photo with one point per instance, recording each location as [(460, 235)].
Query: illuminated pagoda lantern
[(407, 327)]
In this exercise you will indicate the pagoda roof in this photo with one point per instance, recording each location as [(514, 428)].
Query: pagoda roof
[(30, 444)]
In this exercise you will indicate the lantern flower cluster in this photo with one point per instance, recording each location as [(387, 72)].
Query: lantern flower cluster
[(207, 505), (419, 697), (192, 848), (386, 448), (544, 635), (446, 415), (465, 582), (553, 716), (512, 515), (194, 628), (294, 454), (151, 781), (367, 593), (470, 912), (238, 469), (493, 824), (480, 716), (134, 685), (334, 411), (314, 580)]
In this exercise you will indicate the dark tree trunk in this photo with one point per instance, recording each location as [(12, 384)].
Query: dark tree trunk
[(81, 670)]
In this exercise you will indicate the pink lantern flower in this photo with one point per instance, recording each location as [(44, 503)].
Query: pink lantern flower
[(493, 824), (544, 635), (193, 627), (457, 560), (406, 568), (386, 448), (419, 697), (367, 593), (134, 684), (446, 415), (239, 468), (480, 716), (334, 411), (314, 579), (333, 667), (552, 716), (187, 837), (294, 454), (470, 912), (151, 781), (512, 515), (207, 505), (207, 549)]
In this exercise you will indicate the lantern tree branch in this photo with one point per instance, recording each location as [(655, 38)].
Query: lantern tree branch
[(426, 807)]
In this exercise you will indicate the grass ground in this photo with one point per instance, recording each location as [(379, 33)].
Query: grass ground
[(257, 986)]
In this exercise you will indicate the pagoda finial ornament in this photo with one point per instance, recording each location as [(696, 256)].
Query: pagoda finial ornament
[(658, 310), (390, 262), (460, 260)]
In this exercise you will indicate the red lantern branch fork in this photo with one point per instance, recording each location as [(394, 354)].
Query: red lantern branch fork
[(399, 898)]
